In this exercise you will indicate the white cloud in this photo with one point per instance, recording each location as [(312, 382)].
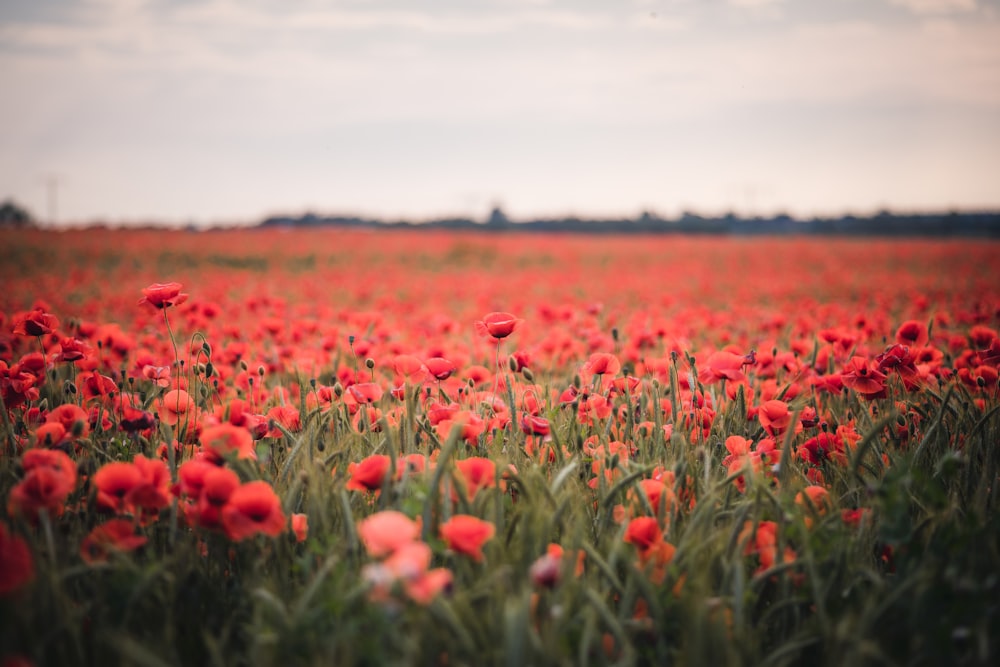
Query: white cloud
[(925, 7)]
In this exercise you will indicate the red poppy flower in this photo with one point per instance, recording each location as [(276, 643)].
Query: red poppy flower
[(369, 474), (35, 323), (225, 439), (218, 486), (409, 367), (853, 518), (113, 535), (72, 349), (153, 492), (50, 476), (440, 368), (191, 477), (466, 535), (602, 363), (762, 540), (469, 424), (822, 447), (366, 392), (625, 386), (50, 435), (413, 464), (72, 417), (287, 416), (476, 473), (300, 526), (407, 565), (95, 385), (176, 405), (134, 420), (722, 366), (534, 425), (861, 378), (17, 565), (497, 325), (429, 585), (774, 416), (158, 375), (39, 490), (644, 533), (816, 497), (163, 295), (656, 492), (519, 360), (253, 508), (114, 482), (912, 333), (54, 459), (384, 532), (898, 358)]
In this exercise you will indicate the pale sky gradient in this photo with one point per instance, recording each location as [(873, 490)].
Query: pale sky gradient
[(217, 111)]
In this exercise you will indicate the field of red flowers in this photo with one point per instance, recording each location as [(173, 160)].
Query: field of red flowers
[(343, 447)]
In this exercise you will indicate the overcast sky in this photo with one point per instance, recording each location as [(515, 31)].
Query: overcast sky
[(226, 111)]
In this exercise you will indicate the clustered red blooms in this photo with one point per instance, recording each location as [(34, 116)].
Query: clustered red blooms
[(656, 351), (403, 559)]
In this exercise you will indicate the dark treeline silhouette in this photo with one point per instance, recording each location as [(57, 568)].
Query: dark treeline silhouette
[(884, 223)]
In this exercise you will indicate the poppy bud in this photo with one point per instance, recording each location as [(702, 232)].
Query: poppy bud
[(207, 348), (338, 389), (369, 363), (614, 334), (209, 369), (901, 420), (981, 381), (350, 339), (260, 371), (528, 375), (312, 382), (243, 365)]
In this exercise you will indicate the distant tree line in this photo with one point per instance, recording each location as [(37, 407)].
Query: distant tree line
[(884, 223), (13, 215)]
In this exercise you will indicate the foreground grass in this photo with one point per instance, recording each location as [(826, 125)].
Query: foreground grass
[(913, 582)]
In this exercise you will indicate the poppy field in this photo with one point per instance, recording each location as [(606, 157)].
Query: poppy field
[(319, 447)]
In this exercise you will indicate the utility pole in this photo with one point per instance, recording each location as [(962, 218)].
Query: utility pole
[(52, 183)]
